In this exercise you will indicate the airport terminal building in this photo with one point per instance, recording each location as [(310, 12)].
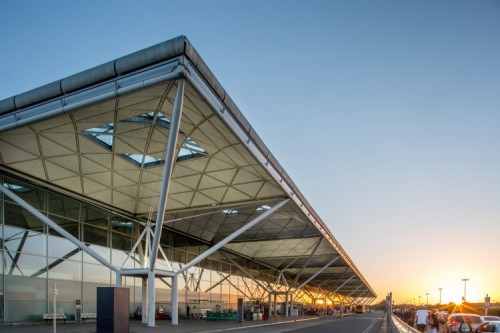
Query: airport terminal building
[(142, 173)]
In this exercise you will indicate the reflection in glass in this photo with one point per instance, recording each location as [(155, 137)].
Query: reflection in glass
[(65, 269), (22, 240), (15, 215), (64, 206), (96, 273), (22, 264), (60, 247)]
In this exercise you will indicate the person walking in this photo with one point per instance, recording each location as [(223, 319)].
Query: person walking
[(434, 322), (421, 320)]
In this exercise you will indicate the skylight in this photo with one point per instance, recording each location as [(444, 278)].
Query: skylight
[(17, 188), (263, 207), (104, 135), (230, 212)]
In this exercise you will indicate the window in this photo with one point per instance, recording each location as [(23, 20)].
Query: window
[(104, 136)]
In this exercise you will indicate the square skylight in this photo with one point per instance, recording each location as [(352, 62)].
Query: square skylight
[(104, 136)]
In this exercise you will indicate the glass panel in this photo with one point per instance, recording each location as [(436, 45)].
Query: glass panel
[(96, 273), (21, 240), (61, 247), (69, 225), (15, 215), (100, 250), (64, 207), (67, 290), (21, 288), (32, 195), (65, 269), (24, 311), (164, 295), (89, 307), (95, 216), (25, 264), (96, 235)]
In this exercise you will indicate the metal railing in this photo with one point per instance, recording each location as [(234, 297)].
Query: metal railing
[(398, 326)]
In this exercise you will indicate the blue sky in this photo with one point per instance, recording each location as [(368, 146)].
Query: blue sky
[(386, 114)]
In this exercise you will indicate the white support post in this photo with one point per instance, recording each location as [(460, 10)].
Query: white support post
[(175, 300), (269, 312), (145, 300), (167, 170), (286, 304), (151, 299), (275, 304), (291, 305), (118, 279)]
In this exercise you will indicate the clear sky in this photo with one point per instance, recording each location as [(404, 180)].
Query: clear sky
[(386, 114)]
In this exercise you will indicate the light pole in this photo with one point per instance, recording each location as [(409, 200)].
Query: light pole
[(465, 288), (440, 289), (419, 301), (427, 294)]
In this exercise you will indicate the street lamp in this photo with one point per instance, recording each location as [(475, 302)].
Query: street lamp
[(419, 301), (427, 298), (465, 288), (440, 289)]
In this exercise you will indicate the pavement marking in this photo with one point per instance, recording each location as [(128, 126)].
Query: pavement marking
[(261, 325)]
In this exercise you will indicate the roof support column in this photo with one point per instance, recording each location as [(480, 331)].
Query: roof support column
[(167, 170), (270, 306), (318, 272), (151, 298), (145, 307), (56, 227), (232, 236), (175, 300)]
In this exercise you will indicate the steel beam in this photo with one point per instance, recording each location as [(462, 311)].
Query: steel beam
[(343, 284), (318, 272), (167, 170), (244, 271), (306, 263), (232, 236), (56, 227)]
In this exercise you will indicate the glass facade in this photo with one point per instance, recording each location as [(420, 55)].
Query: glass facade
[(36, 258)]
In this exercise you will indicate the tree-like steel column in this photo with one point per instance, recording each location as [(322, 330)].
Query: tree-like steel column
[(167, 170), (162, 202), (175, 300)]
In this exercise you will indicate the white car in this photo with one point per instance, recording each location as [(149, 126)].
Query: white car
[(490, 318), (492, 326), (452, 325)]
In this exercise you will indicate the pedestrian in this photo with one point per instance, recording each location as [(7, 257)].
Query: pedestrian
[(434, 322), (421, 320), (188, 308)]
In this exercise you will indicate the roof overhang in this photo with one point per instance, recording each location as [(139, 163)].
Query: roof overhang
[(100, 135)]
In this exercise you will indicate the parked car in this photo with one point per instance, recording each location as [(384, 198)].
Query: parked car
[(490, 318), (454, 320), (492, 326)]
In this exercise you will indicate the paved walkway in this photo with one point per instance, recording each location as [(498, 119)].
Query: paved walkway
[(185, 326)]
